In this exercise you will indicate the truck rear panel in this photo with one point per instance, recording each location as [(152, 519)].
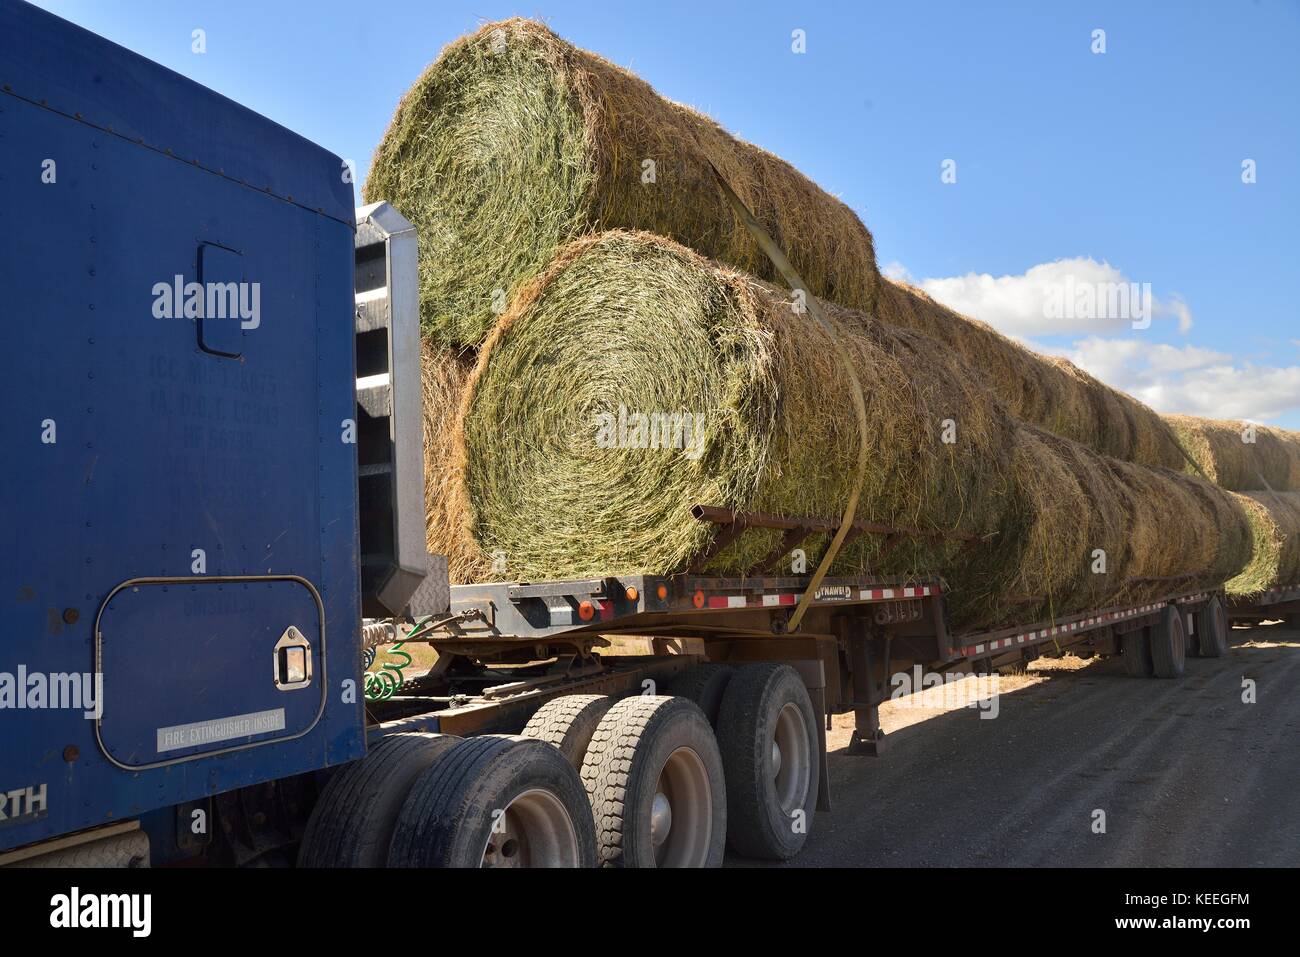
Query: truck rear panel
[(181, 506)]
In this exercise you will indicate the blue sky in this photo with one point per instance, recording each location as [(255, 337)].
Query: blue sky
[(1125, 164)]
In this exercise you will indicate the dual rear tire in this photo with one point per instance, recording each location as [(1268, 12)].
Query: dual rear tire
[(1169, 644), (430, 800), (496, 801), (1160, 650), (1212, 637), (638, 782), (353, 821), (771, 751), (655, 779)]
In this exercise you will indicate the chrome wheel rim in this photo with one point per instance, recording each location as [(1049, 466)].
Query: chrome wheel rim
[(681, 812), (791, 759), (534, 830)]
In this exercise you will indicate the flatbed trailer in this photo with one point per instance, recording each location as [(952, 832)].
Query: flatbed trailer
[(859, 634), (1275, 604)]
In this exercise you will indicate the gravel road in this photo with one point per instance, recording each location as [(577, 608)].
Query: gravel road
[(1187, 773)]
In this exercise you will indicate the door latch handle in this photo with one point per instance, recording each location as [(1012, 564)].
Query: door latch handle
[(292, 660)]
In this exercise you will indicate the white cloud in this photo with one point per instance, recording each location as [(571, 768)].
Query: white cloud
[(1065, 297), (897, 271), (1189, 379), (1170, 378)]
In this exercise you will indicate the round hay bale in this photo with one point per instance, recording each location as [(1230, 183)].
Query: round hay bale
[(1046, 391), (567, 467), (1095, 531), (1275, 527), (514, 142), (1070, 526), (1183, 532), (1236, 455), (635, 379), (443, 374)]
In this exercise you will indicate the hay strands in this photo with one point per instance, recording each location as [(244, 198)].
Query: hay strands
[(733, 524)]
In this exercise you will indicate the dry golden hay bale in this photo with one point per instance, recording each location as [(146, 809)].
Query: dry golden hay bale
[(1096, 531), (1049, 392), (515, 142), (1184, 533), (1236, 455), (560, 475), (1275, 524), (442, 379)]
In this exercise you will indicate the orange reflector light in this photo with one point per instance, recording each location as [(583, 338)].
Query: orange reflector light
[(586, 610), (699, 599), (662, 592), (632, 593)]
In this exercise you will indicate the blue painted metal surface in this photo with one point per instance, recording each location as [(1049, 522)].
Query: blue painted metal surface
[(137, 446)]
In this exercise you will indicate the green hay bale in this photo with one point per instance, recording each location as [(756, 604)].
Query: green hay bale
[(1222, 450), (1275, 526), (635, 322), (1048, 392), (514, 142)]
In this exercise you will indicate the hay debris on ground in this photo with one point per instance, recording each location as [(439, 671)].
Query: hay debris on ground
[(514, 142), (563, 473), (1240, 455), (1049, 392), (1275, 526)]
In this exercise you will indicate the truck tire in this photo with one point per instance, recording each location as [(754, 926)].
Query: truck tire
[(353, 821), (496, 801), (1213, 637), (567, 724), (705, 685), (767, 731), (1169, 644), (654, 777), (1136, 652)]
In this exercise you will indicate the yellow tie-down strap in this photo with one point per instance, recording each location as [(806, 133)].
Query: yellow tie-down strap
[(793, 280)]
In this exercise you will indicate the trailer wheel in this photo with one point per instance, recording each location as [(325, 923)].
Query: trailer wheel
[(496, 801), (1136, 652), (767, 731), (352, 823), (567, 723), (1169, 644), (1213, 637), (658, 793), (705, 685)]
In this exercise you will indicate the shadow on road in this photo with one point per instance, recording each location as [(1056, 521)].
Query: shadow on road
[(1087, 767)]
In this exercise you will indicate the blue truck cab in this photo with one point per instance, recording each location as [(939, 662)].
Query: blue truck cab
[(179, 578)]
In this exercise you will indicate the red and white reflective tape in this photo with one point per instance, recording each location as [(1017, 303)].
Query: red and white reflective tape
[(886, 594), (1073, 626), (792, 598)]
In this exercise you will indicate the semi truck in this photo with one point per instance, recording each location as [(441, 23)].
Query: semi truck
[(214, 509)]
